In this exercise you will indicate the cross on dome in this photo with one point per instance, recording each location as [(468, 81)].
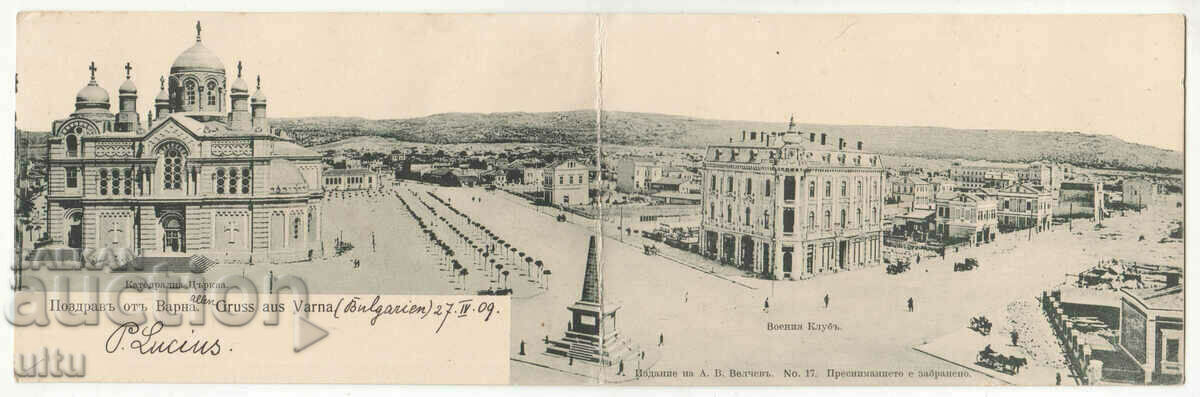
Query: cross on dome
[(239, 69), (128, 68), (162, 83), (92, 67), (197, 31)]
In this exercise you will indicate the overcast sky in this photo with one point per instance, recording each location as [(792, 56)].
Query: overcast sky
[(1114, 75)]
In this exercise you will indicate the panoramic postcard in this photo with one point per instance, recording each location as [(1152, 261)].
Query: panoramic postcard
[(599, 199)]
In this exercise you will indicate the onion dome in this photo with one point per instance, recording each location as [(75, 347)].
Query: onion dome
[(239, 86), (92, 96), (162, 97), (198, 58), (127, 88), (259, 96)]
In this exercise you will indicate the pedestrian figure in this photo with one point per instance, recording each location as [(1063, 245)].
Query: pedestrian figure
[(767, 305), (1013, 334), (522, 347), (621, 367), (685, 296), (660, 340), (826, 301), (918, 259), (910, 304), (1058, 378), (570, 360)]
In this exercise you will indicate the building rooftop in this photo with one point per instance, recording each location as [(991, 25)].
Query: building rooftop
[(349, 172), (1165, 298)]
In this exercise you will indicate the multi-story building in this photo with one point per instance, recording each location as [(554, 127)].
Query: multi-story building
[(202, 176), (531, 176), (1152, 332), (912, 190), (1138, 191), (1047, 175), (351, 179), (1022, 206), (635, 173), (968, 216), (975, 176), (942, 184), (789, 207), (566, 183), (1085, 199)]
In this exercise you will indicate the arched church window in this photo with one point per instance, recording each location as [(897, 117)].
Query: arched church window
[(190, 89), (72, 146), (310, 222), (220, 181), (212, 93), (173, 158)]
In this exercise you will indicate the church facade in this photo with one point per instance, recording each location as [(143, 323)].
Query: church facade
[(201, 175)]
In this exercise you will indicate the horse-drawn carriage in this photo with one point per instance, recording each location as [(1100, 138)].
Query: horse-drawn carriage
[(561, 218), (897, 268), (1007, 362), (649, 250), (968, 264), (981, 325)]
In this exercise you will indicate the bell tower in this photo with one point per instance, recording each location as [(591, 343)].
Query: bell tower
[(127, 116)]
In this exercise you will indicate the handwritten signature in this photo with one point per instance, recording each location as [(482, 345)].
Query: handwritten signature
[(145, 342)]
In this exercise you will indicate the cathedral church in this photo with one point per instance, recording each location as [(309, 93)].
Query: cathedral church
[(201, 175)]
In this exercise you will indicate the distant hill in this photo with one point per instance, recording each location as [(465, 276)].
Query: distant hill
[(649, 129)]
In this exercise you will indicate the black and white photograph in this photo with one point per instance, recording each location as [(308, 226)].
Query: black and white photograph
[(600, 199)]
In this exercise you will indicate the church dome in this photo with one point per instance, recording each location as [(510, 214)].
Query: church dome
[(162, 97), (127, 88), (259, 97), (198, 58), (92, 94), (239, 87)]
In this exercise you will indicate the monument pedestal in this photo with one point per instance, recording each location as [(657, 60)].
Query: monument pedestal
[(592, 336)]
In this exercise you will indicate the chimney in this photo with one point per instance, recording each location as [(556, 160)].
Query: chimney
[(812, 137), (860, 145), (822, 139), (841, 143)]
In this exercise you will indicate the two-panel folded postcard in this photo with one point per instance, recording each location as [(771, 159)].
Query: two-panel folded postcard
[(599, 199)]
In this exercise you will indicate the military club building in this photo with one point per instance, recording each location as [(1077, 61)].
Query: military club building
[(792, 208), (203, 175)]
